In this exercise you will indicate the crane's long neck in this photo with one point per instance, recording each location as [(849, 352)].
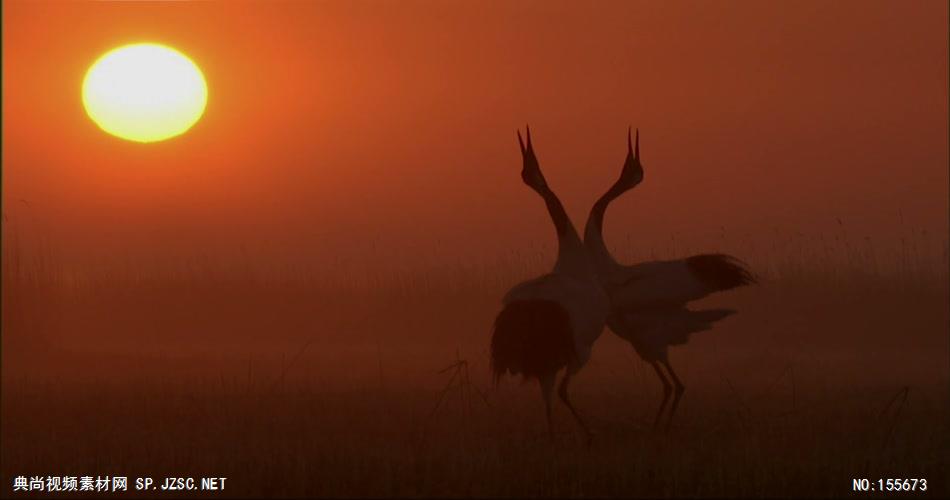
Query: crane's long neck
[(571, 256), (594, 229)]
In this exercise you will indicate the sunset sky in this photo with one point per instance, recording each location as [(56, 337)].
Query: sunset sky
[(331, 126)]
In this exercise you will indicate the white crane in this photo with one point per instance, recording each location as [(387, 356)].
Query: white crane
[(648, 300), (550, 322)]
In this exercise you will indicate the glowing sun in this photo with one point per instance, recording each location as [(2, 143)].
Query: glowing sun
[(144, 92)]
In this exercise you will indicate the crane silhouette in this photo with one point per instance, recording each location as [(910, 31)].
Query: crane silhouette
[(648, 300), (550, 322)]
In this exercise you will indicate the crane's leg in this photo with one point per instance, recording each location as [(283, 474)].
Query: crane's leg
[(562, 392), (547, 389), (679, 392), (667, 390)]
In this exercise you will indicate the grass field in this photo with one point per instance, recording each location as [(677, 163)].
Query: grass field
[(297, 382)]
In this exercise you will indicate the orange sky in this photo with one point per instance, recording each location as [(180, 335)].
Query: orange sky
[(333, 125)]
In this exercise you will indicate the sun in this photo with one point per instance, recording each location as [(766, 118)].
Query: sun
[(144, 92)]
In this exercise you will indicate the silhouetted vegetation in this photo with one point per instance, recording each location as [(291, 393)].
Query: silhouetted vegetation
[(293, 380)]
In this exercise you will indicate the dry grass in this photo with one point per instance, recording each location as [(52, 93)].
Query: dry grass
[(196, 367)]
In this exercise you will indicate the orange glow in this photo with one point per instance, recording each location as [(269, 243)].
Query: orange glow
[(335, 124)]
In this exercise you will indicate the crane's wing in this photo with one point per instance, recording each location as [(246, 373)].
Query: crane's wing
[(675, 282), (583, 299), (651, 331)]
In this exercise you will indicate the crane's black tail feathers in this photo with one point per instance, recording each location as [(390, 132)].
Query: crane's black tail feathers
[(531, 338), (720, 271)]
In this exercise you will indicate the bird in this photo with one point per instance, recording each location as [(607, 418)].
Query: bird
[(551, 322), (649, 299)]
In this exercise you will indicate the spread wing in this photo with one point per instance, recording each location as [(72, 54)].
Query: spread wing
[(676, 282)]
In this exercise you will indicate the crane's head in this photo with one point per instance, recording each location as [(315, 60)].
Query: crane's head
[(530, 170), (632, 173)]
